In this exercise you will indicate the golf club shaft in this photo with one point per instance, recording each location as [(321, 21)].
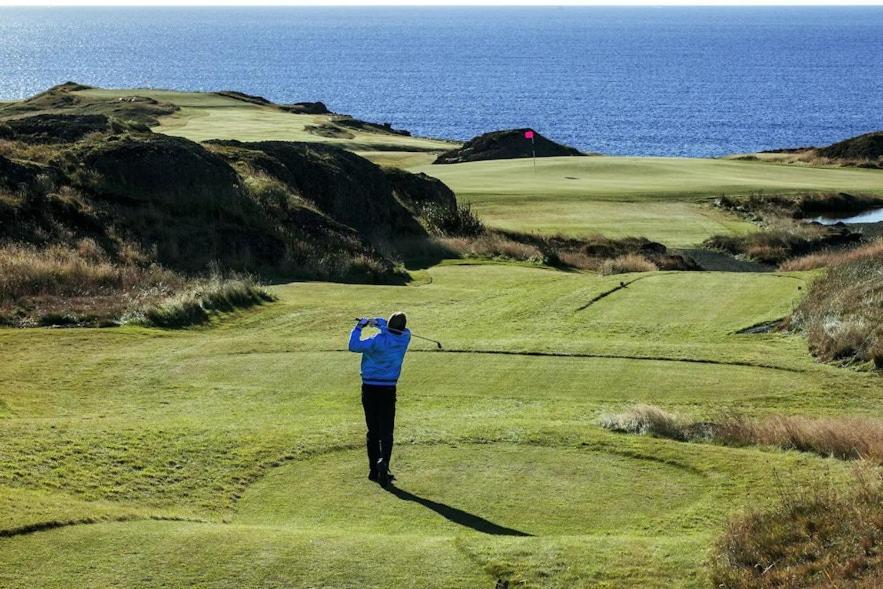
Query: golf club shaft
[(436, 342)]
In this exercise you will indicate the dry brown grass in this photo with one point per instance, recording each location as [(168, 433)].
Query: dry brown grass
[(627, 263), (824, 259), (818, 536), (81, 285), (842, 314), (840, 437), (32, 152), (28, 271), (200, 299), (493, 245)]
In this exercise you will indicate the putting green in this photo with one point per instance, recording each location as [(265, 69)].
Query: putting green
[(656, 198), (675, 224), (642, 178)]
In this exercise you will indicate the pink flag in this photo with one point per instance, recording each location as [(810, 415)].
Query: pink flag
[(528, 134)]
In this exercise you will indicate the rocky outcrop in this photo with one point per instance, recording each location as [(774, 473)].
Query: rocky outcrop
[(864, 148), (500, 145), (306, 108)]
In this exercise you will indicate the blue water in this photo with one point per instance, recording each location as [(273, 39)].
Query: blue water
[(640, 81), (873, 216)]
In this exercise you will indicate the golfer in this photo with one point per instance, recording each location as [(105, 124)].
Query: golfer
[(382, 357)]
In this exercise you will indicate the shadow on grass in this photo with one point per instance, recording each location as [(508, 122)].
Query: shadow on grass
[(458, 516)]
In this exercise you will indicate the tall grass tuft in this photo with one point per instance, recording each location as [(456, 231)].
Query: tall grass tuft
[(646, 420), (82, 285), (839, 437), (201, 299), (627, 263)]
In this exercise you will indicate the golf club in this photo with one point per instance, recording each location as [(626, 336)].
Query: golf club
[(436, 342)]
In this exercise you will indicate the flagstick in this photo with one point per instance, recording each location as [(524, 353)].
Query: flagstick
[(533, 150)]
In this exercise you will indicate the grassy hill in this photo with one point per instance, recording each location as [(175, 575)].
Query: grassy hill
[(231, 454), (83, 176)]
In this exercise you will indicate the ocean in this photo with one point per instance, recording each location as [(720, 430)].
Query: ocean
[(620, 81)]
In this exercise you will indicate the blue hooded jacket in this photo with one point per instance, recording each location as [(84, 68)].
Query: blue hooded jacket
[(382, 353)]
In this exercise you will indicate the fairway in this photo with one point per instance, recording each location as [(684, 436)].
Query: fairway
[(663, 199), (205, 116), (232, 455)]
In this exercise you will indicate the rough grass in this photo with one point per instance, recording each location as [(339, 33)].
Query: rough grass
[(781, 240), (646, 420), (74, 285), (82, 285), (816, 536), (842, 314), (627, 263), (595, 253), (494, 246), (846, 438), (201, 299), (870, 251), (61, 271), (842, 437), (763, 207)]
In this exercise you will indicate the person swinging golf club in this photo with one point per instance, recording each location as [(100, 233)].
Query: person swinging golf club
[(382, 357)]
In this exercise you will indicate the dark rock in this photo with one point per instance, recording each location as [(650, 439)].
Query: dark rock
[(306, 108), (863, 147), (511, 144), (250, 98), (348, 122)]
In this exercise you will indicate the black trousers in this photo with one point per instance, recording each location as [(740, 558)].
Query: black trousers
[(380, 417)]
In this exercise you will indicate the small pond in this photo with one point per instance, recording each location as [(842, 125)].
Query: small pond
[(872, 216)]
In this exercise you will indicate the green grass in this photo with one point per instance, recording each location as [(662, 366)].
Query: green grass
[(230, 454), (645, 178), (250, 430), (657, 198), (205, 116)]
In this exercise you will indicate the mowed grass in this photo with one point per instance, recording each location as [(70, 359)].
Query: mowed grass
[(675, 224), (247, 436), (663, 199), (205, 116)]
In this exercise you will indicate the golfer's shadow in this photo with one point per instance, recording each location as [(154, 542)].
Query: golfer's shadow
[(458, 516)]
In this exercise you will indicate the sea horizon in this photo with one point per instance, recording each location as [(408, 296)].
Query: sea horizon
[(642, 81)]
